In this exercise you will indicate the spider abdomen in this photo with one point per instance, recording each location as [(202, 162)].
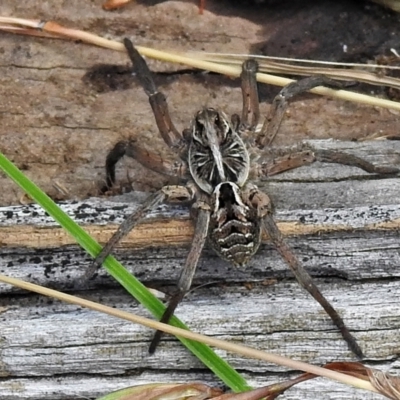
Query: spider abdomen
[(234, 231)]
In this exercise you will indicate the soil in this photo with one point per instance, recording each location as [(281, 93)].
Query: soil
[(65, 104)]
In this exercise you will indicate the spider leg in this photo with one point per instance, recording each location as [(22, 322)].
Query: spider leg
[(306, 281), (331, 156), (170, 194), (307, 157), (186, 277), (112, 159), (146, 158), (284, 163), (157, 100), (251, 106), (279, 105)]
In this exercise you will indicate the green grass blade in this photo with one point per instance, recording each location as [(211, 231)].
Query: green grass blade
[(220, 367)]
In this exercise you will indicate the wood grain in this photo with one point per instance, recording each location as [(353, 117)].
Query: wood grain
[(342, 223), (58, 125)]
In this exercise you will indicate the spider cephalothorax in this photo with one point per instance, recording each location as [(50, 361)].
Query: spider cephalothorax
[(214, 168), (216, 151)]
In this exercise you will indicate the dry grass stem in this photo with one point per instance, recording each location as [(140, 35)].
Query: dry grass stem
[(37, 27), (239, 58), (272, 66)]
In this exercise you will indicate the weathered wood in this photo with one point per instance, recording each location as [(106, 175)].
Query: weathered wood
[(58, 125), (57, 351), (58, 122)]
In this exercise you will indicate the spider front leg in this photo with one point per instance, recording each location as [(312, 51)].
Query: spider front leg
[(186, 277), (168, 194), (274, 118), (251, 106), (157, 99), (262, 203), (146, 158)]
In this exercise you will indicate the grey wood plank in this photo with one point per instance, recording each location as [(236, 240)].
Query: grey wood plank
[(349, 242)]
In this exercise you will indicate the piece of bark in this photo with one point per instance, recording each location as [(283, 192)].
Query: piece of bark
[(58, 351), (57, 122)]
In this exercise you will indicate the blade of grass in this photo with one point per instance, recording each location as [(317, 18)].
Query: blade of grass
[(220, 367)]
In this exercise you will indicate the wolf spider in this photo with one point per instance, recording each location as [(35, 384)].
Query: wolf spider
[(216, 173)]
